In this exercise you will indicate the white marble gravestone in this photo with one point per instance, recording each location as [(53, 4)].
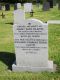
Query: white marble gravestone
[(31, 46), (19, 16), (18, 5), (28, 7)]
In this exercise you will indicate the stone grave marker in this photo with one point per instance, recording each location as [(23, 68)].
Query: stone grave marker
[(7, 7), (38, 3), (18, 5), (51, 3), (31, 46), (59, 5), (28, 7), (54, 2), (3, 8), (0, 7), (46, 6), (15, 6), (19, 16), (3, 16)]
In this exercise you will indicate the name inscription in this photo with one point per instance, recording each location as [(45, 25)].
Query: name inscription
[(30, 38)]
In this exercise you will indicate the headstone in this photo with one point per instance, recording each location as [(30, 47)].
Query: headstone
[(0, 7), (3, 8), (28, 7), (54, 2), (15, 6), (59, 5), (19, 16), (7, 6), (3, 16), (18, 5), (51, 3), (46, 6), (31, 46), (38, 3)]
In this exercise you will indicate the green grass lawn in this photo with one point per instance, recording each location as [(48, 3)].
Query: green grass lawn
[(7, 51)]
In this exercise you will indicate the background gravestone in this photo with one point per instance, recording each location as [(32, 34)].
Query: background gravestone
[(38, 3), (7, 7), (46, 6), (18, 5), (51, 3), (0, 7), (59, 5), (19, 16), (15, 6), (54, 2), (28, 7), (3, 8)]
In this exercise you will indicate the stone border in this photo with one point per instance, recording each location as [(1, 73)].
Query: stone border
[(53, 22), (50, 67)]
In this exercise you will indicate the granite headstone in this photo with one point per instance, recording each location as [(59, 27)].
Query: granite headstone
[(46, 6), (51, 3), (59, 5), (15, 6), (7, 7), (0, 7)]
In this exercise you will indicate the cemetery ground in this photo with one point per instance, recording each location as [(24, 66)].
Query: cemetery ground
[(7, 51)]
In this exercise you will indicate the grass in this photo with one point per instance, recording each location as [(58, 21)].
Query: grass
[(7, 51)]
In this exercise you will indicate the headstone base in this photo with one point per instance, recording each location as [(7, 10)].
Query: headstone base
[(49, 68)]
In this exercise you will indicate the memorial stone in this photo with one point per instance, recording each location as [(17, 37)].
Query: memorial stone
[(38, 3), (59, 5), (54, 2), (0, 7), (19, 16), (18, 5), (3, 8), (31, 46), (28, 7), (7, 7), (15, 6), (51, 3), (46, 6)]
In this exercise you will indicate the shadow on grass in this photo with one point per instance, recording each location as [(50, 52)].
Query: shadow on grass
[(9, 23), (7, 58)]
